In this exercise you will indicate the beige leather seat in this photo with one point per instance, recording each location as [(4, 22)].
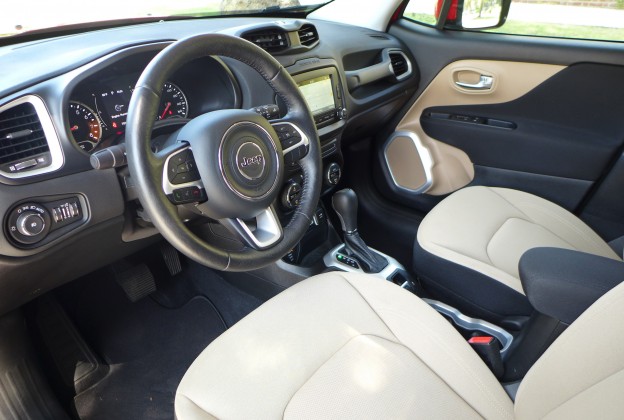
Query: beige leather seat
[(468, 247), (350, 346)]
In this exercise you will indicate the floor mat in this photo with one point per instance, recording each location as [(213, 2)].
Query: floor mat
[(231, 302), (148, 347)]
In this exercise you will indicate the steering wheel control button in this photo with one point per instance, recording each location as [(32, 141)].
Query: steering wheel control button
[(291, 158), (288, 135), (250, 161), (181, 168), (188, 195)]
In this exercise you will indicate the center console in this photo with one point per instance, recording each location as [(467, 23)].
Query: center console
[(322, 87)]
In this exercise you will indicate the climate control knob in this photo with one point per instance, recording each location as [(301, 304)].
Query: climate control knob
[(30, 223)]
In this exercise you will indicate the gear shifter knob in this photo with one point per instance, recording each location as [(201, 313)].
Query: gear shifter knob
[(345, 203)]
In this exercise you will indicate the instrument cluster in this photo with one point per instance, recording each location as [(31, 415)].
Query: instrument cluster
[(98, 105), (98, 117)]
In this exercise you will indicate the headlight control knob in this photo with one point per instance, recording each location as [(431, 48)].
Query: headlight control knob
[(28, 223)]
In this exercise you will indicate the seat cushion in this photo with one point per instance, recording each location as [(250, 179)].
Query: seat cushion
[(342, 346), (476, 236)]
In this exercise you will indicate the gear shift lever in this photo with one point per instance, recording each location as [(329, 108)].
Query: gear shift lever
[(345, 204)]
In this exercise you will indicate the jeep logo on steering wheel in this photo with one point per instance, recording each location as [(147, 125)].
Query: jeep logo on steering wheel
[(250, 161), (255, 160)]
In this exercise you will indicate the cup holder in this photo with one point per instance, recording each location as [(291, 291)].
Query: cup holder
[(468, 326)]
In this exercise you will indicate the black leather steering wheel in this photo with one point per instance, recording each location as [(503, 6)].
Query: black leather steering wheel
[(238, 156)]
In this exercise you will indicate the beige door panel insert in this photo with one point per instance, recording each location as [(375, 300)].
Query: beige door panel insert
[(464, 82)]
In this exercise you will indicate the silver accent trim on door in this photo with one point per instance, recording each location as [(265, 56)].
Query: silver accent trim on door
[(484, 83), (424, 156)]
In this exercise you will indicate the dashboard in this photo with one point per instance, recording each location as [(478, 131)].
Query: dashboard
[(63, 216)]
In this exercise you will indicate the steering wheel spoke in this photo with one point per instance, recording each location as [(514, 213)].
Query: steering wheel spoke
[(181, 181), (295, 144), (262, 232)]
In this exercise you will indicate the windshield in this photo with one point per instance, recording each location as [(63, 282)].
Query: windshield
[(30, 15)]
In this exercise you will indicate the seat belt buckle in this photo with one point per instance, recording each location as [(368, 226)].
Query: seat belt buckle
[(488, 348)]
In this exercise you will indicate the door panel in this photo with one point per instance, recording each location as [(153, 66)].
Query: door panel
[(550, 124), (566, 127), (452, 167)]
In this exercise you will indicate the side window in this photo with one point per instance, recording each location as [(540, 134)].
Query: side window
[(591, 19), (579, 19), (422, 11)]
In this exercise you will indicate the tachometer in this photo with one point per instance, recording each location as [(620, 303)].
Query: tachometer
[(85, 126), (173, 103)]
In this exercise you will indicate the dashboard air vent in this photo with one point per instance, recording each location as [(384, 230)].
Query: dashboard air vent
[(270, 40), (308, 35), (400, 65), (21, 134), (29, 144)]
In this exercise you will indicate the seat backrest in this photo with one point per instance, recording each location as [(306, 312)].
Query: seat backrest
[(581, 376)]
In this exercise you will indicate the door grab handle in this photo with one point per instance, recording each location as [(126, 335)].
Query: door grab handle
[(484, 83)]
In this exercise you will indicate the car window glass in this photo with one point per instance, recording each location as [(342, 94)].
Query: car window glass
[(589, 19), (422, 11), (586, 19)]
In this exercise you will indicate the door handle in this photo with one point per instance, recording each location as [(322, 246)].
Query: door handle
[(484, 83)]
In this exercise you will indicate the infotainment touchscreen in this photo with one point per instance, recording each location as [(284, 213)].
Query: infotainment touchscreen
[(318, 93)]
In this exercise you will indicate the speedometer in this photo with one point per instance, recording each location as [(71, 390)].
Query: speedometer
[(85, 126), (173, 103)]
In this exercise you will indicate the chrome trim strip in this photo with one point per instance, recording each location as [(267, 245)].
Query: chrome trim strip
[(425, 159), (393, 265), (54, 144), (473, 324)]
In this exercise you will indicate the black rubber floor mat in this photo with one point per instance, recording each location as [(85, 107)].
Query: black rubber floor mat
[(147, 346)]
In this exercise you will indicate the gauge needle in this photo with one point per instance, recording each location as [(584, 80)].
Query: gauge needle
[(74, 128), (165, 111)]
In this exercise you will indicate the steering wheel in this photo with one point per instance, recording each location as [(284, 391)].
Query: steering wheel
[(231, 161)]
